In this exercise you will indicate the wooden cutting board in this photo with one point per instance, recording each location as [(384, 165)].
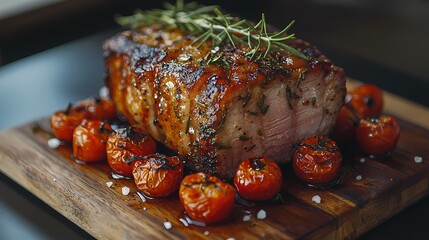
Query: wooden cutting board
[(347, 210)]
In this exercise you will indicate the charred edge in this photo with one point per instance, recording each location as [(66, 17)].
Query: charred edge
[(322, 145), (257, 163), (206, 131)]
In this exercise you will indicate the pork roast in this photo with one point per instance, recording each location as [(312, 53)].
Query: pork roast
[(215, 115)]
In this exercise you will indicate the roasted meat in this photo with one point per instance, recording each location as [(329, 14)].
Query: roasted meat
[(216, 114)]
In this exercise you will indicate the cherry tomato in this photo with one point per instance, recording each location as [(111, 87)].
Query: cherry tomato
[(317, 160), (89, 140), (97, 108), (126, 143), (378, 135), (366, 100), (158, 175), (206, 198), (64, 122), (345, 126), (258, 178)]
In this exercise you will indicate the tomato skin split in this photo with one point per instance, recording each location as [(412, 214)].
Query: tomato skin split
[(157, 175), (124, 144), (206, 198), (317, 160)]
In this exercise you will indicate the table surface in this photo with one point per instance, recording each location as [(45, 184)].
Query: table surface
[(67, 71)]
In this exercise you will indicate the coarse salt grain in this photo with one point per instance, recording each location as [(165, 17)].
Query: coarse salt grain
[(362, 160), (230, 238), (316, 199), (358, 177), (54, 143), (261, 214), (418, 159), (109, 184), (246, 218), (125, 190), (104, 92), (206, 233), (144, 209), (168, 225)]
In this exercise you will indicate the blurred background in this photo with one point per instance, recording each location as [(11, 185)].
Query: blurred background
[(50, 54), (392, 34)]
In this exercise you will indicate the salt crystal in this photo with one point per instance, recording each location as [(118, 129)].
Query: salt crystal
[(230, 238), (183, 57), (246, 218), (261, 214), (206, 233), (109, 184), (362, 160), (168, 225), (54, 143), (358, 177), (144, 209), (418, 159), (125, 190), (316, 199), (104, 92)]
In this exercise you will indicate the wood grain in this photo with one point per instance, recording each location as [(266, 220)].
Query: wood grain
[(347, 210)]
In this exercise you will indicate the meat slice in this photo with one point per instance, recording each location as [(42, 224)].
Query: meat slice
[(215, 115)]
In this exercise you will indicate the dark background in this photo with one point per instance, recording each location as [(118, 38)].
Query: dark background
[(382, 42)]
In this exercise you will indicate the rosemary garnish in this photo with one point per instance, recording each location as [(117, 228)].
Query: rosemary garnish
[(243, 137), (261, 104), (289, 96), (210, 23), (245, 98), (200, 103)]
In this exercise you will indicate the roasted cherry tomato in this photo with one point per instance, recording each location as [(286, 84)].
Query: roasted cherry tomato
[(258, 178), (97, 108), (64, 122), (206, 198), (317, 160), (345, 126), (127, 143), (158, 175), (89, 140), (366, 100), (378, 135)]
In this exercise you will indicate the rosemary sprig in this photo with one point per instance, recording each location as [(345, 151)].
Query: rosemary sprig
[(210, 23)]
